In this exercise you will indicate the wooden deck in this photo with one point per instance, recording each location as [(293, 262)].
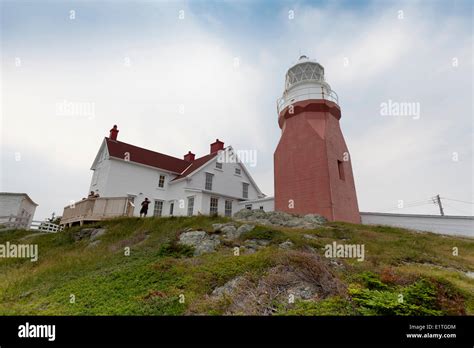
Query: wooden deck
[(96, 209)]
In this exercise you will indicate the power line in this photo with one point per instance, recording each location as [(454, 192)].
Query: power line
[(457, 209), (457, 200), (410, 205)]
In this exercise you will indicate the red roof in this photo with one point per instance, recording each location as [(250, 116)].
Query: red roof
[(197, 163), (155, 159)]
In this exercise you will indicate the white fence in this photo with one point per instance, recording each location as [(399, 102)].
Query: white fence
[(45, 226), (451, 225)]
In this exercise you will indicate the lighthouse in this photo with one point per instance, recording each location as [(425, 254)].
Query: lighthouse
[(312, 164)]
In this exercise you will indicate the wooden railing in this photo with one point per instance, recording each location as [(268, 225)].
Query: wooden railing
[(45, 226), (96, 209)]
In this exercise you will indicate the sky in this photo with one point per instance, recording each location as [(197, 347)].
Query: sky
[(174, 76)]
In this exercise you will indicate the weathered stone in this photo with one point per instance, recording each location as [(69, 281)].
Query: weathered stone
[(228, 288), (252, 245), (277, 218), (230, 232), (217, 227), (302, 290), (93, 244), (200, 241), (286, 245), (98, 232), (83, 233), (245, 228)]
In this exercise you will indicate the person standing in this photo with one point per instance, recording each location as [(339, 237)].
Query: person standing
[(144, 209)]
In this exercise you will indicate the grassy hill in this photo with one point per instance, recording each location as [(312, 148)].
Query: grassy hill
[(404, 272)]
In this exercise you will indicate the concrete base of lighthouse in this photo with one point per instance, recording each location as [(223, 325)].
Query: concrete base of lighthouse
[(312, 166)]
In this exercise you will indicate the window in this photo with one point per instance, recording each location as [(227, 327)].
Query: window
[(161, 182), (248, 206), (219, 165), (209, 178), (213, 206), (171, 208), (340, 167), (190, 206), (158, 208), (261, 207), (238, 171), (245, 190), (228, 208)]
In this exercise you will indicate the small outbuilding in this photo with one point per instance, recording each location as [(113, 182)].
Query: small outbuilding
[(16, 209)]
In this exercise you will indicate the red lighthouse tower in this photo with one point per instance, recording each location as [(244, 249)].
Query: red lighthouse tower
[(313, 171)]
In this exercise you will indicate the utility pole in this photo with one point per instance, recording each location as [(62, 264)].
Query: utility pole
[(438, 201)]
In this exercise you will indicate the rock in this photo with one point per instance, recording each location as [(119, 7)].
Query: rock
[(98, 232), (230, 232), (26, 294), (278, 218), (200, 241), (245, 228), (83, 233), (314, 219), (336, 263), (310, 236), (93, 244), (258, 242), (228, 288), (302, 290), (286, 245), (220, 227), (92, 233), (217, 227), (252, 245)]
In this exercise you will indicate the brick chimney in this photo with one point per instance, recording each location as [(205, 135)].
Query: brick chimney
[(189, 156), (216, 146), (114, 132)]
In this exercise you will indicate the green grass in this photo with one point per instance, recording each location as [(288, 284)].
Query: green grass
[(159, 273)]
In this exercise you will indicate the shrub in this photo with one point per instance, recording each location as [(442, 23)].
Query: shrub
[(416, 299), (175, 250), (372, 281), (260, 232)]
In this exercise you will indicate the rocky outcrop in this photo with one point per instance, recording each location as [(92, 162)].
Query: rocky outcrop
[(228, 288), (201, 241), (230, 231), (252, 245), (278, 218), (89, 233)]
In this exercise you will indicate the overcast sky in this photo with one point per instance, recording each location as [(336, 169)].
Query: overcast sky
[(174, 76)]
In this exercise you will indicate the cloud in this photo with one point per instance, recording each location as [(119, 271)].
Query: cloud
[(175, 85)]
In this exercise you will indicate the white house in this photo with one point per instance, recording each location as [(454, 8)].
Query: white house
[(16, 209), (215, 183)]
